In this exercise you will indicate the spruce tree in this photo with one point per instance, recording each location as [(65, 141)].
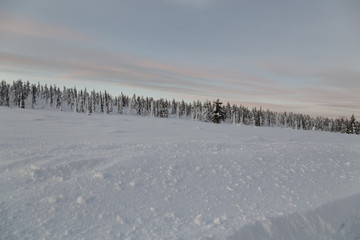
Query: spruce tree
[(173, 107), (120, 105), (218, 114), (31, 99), (152, 109), (352, 128), (22, 100), (163, 109), (178, 110), (4, 94), (205, 114)]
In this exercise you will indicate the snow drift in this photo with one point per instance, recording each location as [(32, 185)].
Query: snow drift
[(338, 220)]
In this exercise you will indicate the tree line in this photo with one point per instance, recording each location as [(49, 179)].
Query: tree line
[(27, 95)]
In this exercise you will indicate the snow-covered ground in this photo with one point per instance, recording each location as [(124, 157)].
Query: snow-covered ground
[(73, 176)]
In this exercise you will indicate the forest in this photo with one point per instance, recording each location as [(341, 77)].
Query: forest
[(28, 95)]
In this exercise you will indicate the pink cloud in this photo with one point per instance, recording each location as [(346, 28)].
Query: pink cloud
[(30, 27)]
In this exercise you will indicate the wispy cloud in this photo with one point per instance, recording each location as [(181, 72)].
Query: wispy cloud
[(30, 27), (330, 87), (341, 78)]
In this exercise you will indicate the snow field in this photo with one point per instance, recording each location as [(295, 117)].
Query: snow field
[(73, 176)]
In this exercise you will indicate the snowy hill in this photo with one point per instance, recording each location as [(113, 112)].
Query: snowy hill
[(72, 176)]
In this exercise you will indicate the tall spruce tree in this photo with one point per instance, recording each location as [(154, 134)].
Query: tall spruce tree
[(218, 114), (163, 108), (352, 127)]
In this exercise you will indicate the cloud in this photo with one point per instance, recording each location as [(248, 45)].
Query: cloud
[(340, 78), (30, 27), (328, 87)]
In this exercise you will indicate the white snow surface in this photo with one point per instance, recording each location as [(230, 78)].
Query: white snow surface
[(73, 176)]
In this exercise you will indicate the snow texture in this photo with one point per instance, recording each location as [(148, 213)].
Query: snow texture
[(74, 176)]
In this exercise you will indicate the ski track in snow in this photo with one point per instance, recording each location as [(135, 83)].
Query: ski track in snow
[(73, 176)]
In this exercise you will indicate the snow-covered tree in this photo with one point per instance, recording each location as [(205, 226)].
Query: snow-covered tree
[(163, 109), (120, 105), (206, 112), (51, 96), (173, 106), (22, 100), (75, 97), (132, 105), (352, 125), (31, 100), (4, 94), (152, 109), (178, 110), (218, 114)]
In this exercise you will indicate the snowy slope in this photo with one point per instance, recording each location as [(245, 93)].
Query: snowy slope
[(74, 176)]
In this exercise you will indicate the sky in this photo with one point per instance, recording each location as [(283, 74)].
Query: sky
[(301, 55)]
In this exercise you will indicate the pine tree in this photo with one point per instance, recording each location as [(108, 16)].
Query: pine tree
[(106, 103), (62, 98), (178, 110), (51, 96), (22, 100), (352, 128), (138, 106), (143, 107), (205, 114), (75, 100), (357, 127), (101, 102), (193, 111), (234, 115), (58, 99), (227, 111), (173, 106), (4, 94), (218, 113), (93, 101), (89, 104), (198, 110), (81, 101), (31, 98), (152, 109), (120, 105), (132, 105), (163, 109), (186, 110)]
